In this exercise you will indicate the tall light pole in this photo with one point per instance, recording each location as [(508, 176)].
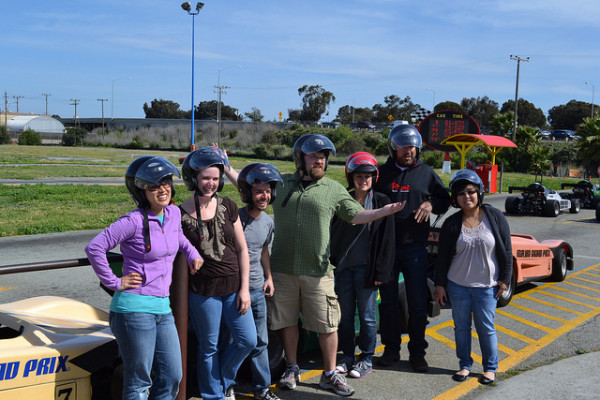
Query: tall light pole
[(593, 92), (518, 59), (187, 6), (433, 104), (220, 91), (112, 96)]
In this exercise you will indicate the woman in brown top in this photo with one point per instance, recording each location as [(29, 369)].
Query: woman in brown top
[(219, 291)]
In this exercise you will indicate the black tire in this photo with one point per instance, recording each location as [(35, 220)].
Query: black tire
[(511, 205), (277, 361), (507, 295), (403, 307), (559, 265), (551, 208), (595, 201), (575, 206), (598, 213)]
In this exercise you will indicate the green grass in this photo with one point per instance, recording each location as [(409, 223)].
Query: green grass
[(34, 209)]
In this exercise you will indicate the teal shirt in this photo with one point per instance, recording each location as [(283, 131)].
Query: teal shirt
[(301, 243), (125, 302)]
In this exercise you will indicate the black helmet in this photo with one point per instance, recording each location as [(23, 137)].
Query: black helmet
[(403, 136), (146, 172), (361, 162), (311, 143), (257, 173), (462, 177), (201, 159)]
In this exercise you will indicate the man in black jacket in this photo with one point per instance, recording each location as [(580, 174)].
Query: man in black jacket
[(405, 177)]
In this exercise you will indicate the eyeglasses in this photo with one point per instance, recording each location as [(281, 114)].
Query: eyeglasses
[(165, 184), (471, 192)]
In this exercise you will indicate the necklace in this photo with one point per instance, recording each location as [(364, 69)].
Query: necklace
[(471, 222)]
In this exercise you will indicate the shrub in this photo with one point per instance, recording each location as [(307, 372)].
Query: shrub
[(4, 136), (30, 138), (74, 136)]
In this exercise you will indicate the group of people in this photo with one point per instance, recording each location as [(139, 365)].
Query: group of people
[(332, 249)]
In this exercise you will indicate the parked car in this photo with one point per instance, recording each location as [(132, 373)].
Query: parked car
[(365, 125), (546, 135), (563, 134), (537, 199)]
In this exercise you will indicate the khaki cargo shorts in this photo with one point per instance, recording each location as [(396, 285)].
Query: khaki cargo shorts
[(312, 296)]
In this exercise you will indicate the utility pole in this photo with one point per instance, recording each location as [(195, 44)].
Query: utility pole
[(17, 98), (518, 59), (46, 95), (74, 103), (220, 90), (5, 108), (102, 100)]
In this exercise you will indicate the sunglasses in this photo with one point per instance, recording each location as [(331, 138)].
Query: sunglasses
[(164, 184), (471, 192)]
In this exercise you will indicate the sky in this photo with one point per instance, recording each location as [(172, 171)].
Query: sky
[(130, 53)]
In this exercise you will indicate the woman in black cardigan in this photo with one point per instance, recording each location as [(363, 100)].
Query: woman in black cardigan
[(474, 267)]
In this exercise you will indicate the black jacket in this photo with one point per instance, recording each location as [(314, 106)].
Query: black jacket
[(449, 236), (381, 243), (416, 184)]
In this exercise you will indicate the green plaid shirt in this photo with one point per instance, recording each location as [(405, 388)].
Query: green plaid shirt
[(301, 243)]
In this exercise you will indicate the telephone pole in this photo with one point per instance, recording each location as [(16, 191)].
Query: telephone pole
[(102, 100), (46, 96), (518, 59), (17, 98), (5, 107), (74, 103)]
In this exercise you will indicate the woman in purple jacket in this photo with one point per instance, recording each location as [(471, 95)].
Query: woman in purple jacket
[(140, 312)]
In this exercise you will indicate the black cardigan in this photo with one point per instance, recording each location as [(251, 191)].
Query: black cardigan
[(381, 243), (449, 236)]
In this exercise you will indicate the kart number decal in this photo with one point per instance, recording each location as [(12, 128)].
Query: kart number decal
[(67, 391)]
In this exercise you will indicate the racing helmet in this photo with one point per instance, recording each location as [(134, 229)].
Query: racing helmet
[(404, 136), (145, 172), (361, 162), (311, 143), (462, 177), (257, 173), (201, 159)]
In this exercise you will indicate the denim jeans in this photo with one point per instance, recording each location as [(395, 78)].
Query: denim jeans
[(145, 340), (216, 370), (411, 260), (481, 302), (261, 373), (349, 286)]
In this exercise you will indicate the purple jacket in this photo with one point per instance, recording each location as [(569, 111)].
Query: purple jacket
[(156, 266)]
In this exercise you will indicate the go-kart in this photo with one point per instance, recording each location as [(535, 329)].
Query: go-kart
[(537, 199), (587, 192)]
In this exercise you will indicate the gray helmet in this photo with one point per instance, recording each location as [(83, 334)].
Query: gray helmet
[(311, 143), (146, 172), (404, 136), (201, 159), (462, 177), (257, 173)]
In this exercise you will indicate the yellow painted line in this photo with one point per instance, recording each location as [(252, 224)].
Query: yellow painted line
[(526, 352), (6, 288), (594, 275), (514, 334), (442, 339), (547, 303), (544, 221), (586, 280), (541, 314), (585, 296), (567, 299), (582, 286)]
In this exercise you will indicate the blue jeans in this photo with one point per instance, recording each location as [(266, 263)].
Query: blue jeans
[(216, 371), (481, 302), (147, 339), (349, 286), (261, 373), (411, 260)]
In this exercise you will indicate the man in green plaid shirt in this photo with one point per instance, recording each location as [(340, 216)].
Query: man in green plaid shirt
[(302, 275)]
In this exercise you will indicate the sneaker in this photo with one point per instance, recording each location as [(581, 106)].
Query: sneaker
[(289, 378), (418, 363), (343, 367), (360, 369), (267, 394), (387, 358), (337, 383), (230, 394)]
